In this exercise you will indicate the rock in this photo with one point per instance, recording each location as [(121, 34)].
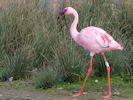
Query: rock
[(85, 93), (96, 81), (117, 93), (10, 79), (74, 99)]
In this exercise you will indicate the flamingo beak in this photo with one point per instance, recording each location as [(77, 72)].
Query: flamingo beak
[(62, 13)]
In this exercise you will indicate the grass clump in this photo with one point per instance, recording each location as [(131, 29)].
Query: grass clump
[(17, 66), (46, 78)]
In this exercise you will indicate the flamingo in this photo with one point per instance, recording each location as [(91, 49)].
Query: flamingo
[(95, 40)]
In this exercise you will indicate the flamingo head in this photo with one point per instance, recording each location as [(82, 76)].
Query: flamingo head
[(66, 11)]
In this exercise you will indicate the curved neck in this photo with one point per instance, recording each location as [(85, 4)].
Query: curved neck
[(73, 28)]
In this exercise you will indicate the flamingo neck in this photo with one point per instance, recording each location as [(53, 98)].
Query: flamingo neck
[(73, 28)]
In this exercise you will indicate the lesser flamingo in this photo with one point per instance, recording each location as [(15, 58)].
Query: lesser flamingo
[(94, 40)]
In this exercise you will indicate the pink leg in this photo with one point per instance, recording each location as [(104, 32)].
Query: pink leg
[(108, 73), (86, 78)]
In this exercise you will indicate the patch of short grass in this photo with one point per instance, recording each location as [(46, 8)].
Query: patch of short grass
[(118, 86)]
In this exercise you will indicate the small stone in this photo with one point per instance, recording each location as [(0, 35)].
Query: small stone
[(1, 95), (85, 93), (117, 93), (10, 79), (74, 99), (96, 81)]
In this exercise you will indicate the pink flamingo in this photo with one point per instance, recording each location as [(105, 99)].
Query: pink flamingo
[(94, 40)]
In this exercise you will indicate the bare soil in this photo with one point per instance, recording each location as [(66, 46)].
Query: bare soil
[(11, 92)]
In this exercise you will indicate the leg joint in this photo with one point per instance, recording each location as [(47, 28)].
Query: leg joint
[(107, 64), (91, 54)]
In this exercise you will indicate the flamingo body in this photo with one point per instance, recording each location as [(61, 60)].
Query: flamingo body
[(95, 40)]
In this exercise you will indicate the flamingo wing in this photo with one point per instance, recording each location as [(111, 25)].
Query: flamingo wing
[(103, 40), (95, 39)]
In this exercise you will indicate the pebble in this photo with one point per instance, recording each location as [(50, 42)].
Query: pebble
[(10, 79), (74, 99), (96, 81), (85, 93), (117, 93)]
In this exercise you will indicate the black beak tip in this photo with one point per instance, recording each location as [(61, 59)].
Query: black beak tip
[(62, 13)]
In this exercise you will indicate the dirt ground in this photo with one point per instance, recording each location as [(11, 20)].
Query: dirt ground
[(55, 94), (25, 90)]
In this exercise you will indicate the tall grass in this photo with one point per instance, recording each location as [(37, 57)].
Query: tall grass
[(31, 39)]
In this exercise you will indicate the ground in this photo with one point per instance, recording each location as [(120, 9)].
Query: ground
[(12, 94), (24, 90)]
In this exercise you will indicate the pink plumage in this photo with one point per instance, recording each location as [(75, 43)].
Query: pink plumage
[(96, 40), (93, 39)]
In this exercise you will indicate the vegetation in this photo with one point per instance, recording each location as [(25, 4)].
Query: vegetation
[(33, 39)]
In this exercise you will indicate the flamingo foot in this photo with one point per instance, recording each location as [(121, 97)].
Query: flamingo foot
[(107, 96), (77, 94)]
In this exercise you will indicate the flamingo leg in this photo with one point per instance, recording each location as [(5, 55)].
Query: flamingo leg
[(86, 78), (108, 76)]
